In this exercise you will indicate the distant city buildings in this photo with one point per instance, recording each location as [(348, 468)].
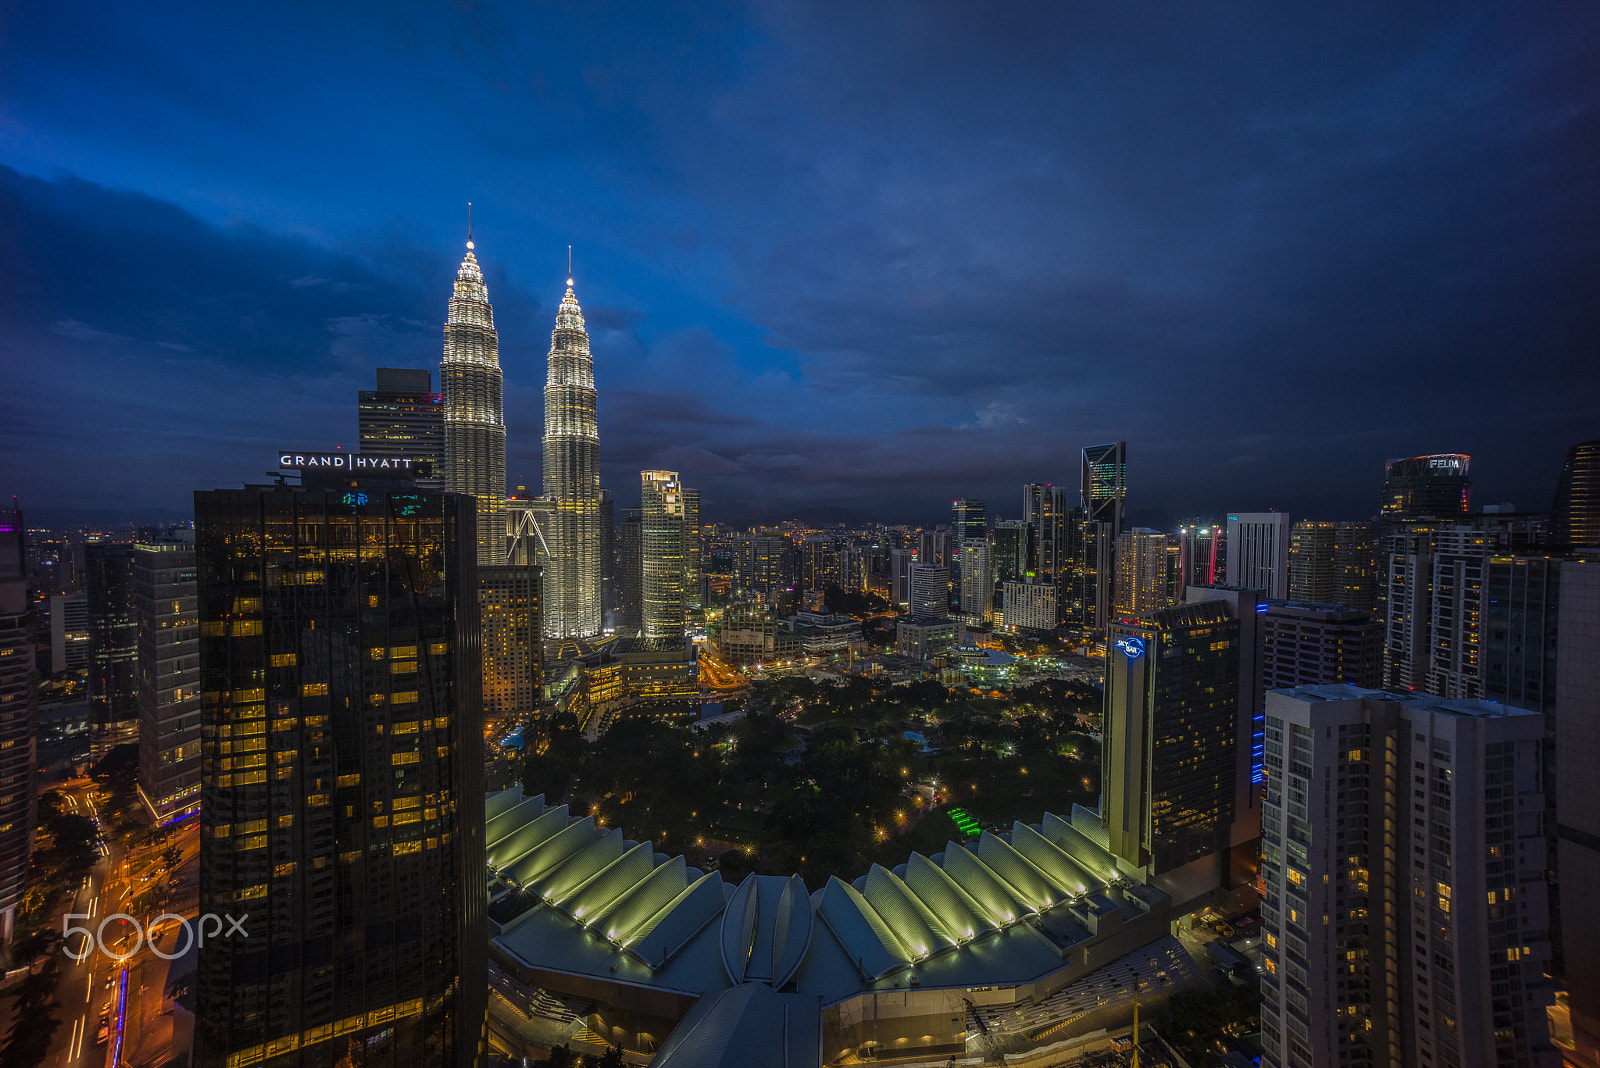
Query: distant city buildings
[(403, 416), (341, 776), (1404, 918), (19, 719), (1258, 552), (930, 591)]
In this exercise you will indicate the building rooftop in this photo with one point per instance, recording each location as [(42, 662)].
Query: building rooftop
[(1460, 706), (571, 896)]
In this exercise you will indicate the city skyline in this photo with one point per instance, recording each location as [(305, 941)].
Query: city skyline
[(182, 296)]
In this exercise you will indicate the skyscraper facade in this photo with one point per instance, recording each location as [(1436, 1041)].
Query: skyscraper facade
[(572, 479), (1147, 571), (1427, 487), (166, 599), (1404, 917), (663, 565), (930, 591), (1105, 484), (1258, 552), (977, 581), (822, 563), (693, 567), (404, 417), (474, 409), (341, 777), (1311, 642), (608, 553), (1577, 784), (513, 640), (19, 719), (1170, 755), (1046, 517), (1009, 550), (1332, 563), (1575, 516), (113, 635), (1203, 554), (631, 568)]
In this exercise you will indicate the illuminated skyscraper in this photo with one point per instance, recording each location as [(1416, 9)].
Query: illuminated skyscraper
[(573, 606), (404, 417), (1575, 518), (1105, 484), (692, 567), (662, 563), (113, 641), (19, 719), (1147, 571), (474, 413), (1045, 513), (1427, 487), (341, 777)]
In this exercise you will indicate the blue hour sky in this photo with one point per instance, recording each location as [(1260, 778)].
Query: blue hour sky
[(867, 255)]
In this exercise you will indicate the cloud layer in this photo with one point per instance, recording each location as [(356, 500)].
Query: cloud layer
[(875, 257)]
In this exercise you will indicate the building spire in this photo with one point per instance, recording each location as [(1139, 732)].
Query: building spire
[(569, 266), (470, 245)]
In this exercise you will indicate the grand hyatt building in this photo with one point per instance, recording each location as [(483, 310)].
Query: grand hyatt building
[(341, 775)]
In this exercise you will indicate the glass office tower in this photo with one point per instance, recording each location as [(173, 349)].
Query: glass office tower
[(341, 777)]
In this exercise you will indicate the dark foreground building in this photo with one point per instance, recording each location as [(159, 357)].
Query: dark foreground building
[(342, 796)]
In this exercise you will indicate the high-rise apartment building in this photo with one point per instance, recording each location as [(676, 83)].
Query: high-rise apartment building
[(976, 594), (1404, 917), (69, 631), (1575, 515), (472, 384), (341, 777), (935, 547), (1147, 571), (1105, 484), (822, 563), (930, 591), (513, 640), (765, 564), (1308, 642), (1258, 552), (1029, 606), (1355, 566), (572, 479), (19, 719), (1427, 487), (1170, 761), (969, 524), (1332, 563), (167, 603), (1432, 600), (663, 565), (113, 636), (405, 417)]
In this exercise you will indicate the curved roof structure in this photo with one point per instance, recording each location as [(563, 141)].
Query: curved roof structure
[(1014, 908)]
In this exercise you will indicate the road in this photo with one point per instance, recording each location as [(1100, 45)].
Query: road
[(127, 994)]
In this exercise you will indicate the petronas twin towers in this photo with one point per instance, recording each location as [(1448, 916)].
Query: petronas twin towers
[(475, 448)]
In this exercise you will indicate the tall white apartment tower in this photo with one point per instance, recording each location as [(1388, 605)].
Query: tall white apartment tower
[(474, 410), (1258, 552), (1405, 917), (572, 607)]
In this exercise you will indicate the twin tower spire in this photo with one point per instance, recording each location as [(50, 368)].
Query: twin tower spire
[(475, 445)]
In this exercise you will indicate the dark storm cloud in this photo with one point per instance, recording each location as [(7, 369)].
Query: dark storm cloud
[(874, 256)]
